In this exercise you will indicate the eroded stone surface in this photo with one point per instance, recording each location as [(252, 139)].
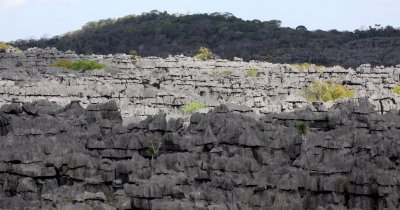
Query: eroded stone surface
[(54, 157), (152, 85)]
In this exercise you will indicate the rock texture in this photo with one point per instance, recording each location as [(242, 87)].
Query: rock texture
[(54, 157), (150, 85)]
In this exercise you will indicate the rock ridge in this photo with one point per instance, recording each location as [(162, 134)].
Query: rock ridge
[(151, 85)]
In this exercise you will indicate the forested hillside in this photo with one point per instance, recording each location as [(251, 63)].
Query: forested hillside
[(161, 34)]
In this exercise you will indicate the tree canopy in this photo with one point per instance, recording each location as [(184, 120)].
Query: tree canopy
[(161, 34)]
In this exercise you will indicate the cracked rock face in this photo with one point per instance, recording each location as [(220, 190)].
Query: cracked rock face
[(146, 87), (54, 157)]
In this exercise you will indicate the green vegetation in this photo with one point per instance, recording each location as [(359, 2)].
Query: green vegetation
[(193, 107), (161, 34), (396, 89), (302, 129), (203, 54), (252, 72), (153, 150), (78, 65), (112, 199), (326, 91), (135, 55), (224, 73), (63, 64)]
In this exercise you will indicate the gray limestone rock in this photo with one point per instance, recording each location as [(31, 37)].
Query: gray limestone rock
[(77, 158), (157, 85)]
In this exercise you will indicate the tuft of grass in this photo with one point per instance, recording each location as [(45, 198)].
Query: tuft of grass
[(193, 107), (224, 73), (4, 45), (396, 89), (320, 68), (302, 129), (62, 64), (78, 65), (306, 66), (323, 91), (252, 72), (204, 54), (300, 66)]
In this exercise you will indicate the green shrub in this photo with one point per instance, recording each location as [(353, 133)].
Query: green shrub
[(86, 65), (252, 72), (323, 91), (78, 65), (111, 199), (396, 89), (153, 150), (204, 54), (224, 73), (302, 129), (193, 107), (135, 55)]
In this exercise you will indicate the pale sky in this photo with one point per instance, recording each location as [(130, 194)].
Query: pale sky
[(21, 19)]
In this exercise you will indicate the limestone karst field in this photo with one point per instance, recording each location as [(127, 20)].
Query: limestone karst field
[(200, 112), (118, 137)]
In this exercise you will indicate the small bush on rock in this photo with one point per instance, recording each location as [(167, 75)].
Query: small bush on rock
[(135, 55), (302, 129), (86, 65), (204, 54), (396, 89), (112, 199), (252, 72), (326, 91), (153, 150), (78, 65), (193, 107)]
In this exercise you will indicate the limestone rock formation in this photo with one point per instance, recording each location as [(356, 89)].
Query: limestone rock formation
[(54, 157), (152, 85)]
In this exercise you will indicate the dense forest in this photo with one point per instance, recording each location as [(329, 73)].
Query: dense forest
[(162, 34)]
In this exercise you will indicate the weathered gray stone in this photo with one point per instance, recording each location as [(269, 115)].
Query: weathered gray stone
[(348, 158), (144, 90)]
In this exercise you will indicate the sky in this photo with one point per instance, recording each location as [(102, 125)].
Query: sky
[(22, 19)]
